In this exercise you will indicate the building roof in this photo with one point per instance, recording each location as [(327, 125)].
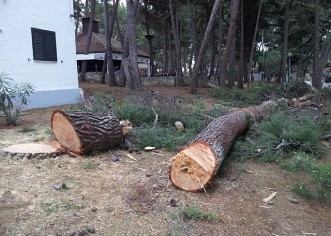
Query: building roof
[(98, 45)]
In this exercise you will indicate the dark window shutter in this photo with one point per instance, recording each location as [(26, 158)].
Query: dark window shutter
[(43, 45)]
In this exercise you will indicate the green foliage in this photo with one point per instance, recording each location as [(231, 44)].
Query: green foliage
[(51, 207), (280, 135), (294, 143), (89, 165), (26, 130), (301, 190), (13, 98), (253, 95), (192, 212), (162, 137)]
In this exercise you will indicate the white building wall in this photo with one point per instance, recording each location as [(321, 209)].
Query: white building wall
[(56, 79)]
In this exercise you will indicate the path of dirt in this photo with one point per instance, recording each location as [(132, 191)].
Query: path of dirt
[(131, 197)]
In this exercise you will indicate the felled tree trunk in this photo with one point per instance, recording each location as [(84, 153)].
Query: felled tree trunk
[(83, 132), (194, 166)]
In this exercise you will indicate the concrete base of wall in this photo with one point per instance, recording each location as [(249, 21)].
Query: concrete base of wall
[(40, 99)]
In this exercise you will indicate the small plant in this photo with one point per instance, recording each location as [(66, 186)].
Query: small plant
[(13, 98), (89, 165), (68, 205), (192, 212), (301, 190), (49, 207), (26, 130)]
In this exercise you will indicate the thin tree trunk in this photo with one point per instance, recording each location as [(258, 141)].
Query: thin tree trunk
[(220, 40), (130, 63), (231, 75), (325, 54), (242, 47), (213, 52), (254, 41), (178, 79), (316, 81), (165, 48), (88, 41), (108, 34), (149, 38), (104, 70), (299, 65), (194, 81), (285, 42), (229, 39)]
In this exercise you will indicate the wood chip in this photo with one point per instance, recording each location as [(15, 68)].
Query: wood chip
[(149, 148), (131, 157), (304, 233), (270, 197)]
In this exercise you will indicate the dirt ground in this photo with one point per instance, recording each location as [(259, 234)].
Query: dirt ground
[(135, 197)]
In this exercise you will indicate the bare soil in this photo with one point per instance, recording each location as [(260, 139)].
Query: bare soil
[(135, 197)]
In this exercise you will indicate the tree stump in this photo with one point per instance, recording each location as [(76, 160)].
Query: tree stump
[(194, 166), (83, 132)]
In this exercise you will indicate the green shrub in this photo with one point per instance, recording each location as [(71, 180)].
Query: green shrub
[(253, 95), (13, 98), (192, 212), (278, 136), (301, 190)]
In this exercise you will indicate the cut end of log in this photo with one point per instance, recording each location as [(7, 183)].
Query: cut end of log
[(193, 167), (65, 132)]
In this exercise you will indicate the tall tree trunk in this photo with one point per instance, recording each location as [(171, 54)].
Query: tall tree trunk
[(325, 54), (220, 40), (130, 63), (178, 79), (229, 39), (165, 48), (232, 73), (299, 65), (88, 41), (194, 81), (242, 48), (285, 42), (104, 70), (213, 52), (149, 38), (108, 34), (254, 41), (316, 80)]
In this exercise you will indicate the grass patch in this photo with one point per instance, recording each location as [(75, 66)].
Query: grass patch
[(255, 94), (50, 207), (301, 190), (26, 130), (89, 165), (192, 212), (294, 143)]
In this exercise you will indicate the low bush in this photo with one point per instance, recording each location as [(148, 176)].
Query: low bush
[(253, 95), (13, 98)]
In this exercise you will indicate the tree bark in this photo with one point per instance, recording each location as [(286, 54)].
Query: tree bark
[(88, 41), (130, 63), (194, 81), (83, 132), (194, 166), (178, 79), (254, 40), (316, 80), (285, 42), (242, 60), (231, 31), (109, 25)]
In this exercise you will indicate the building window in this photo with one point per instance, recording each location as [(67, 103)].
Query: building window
[(43, 45)]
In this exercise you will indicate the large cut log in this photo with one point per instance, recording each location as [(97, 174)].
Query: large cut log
[(83, 132), (194, 166)]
